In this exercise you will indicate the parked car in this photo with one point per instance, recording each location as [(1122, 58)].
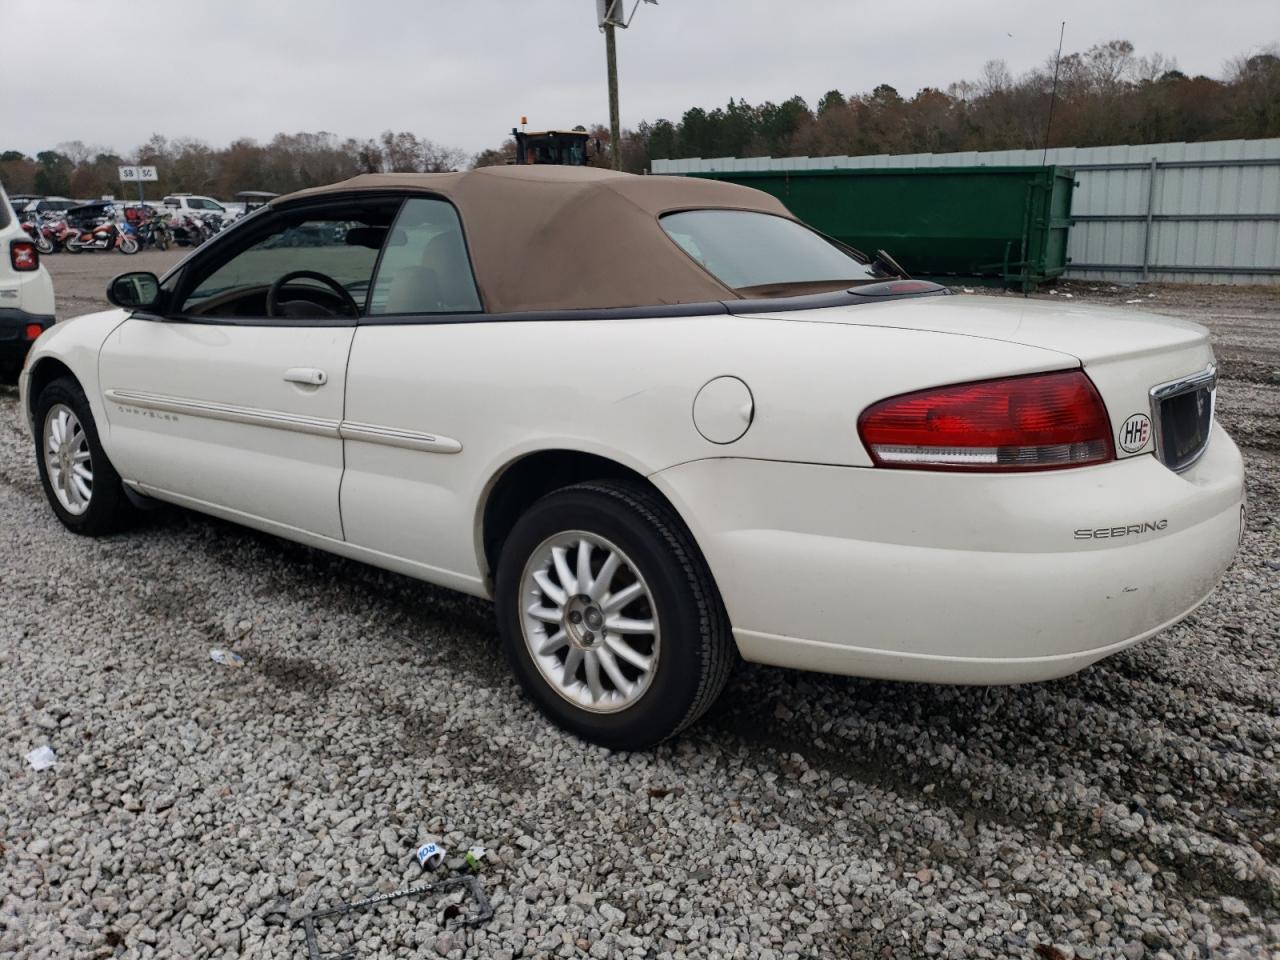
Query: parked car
[(26, 292), (186, 203), (662, 424), (49, 205), (18, 202)]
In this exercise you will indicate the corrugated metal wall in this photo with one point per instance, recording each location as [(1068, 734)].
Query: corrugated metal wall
[(1179, 212)]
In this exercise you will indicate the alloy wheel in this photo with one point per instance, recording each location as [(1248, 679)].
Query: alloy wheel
[(589, 621), (67, 459)]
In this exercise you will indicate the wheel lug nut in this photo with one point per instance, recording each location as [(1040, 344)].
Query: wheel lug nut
[(575, 617)]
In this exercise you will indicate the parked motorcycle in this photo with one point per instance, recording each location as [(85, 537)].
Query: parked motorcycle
[(155, 231), (189, 231), (36, 232), (104, 236), (59, 233), (192, 230)]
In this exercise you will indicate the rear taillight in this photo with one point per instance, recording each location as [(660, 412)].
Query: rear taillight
[(1036, 422), (23, 255)]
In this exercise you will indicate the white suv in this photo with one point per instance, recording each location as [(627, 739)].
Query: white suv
[(26, 292)]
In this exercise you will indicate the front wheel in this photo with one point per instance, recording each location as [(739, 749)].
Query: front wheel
[(79, 481), (128, 245), (73, 245), (44, 245), (609, 616)]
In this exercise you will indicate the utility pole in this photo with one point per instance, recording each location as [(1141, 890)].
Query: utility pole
[(611, 14), (615, 131)]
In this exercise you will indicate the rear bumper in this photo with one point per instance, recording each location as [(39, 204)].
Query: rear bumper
[(14, 324), (952, 578)]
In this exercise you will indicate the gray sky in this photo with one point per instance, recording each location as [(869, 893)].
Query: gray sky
[(463, 72)]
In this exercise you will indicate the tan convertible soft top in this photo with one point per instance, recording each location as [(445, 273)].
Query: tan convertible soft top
[(563, 238)]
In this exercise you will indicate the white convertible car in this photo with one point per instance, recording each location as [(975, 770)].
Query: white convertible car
[(663, 425)]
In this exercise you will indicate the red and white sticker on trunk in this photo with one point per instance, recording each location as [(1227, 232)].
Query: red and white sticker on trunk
[(1135, 433)]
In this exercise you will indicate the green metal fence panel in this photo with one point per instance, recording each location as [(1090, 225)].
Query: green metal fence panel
[(986, 224)]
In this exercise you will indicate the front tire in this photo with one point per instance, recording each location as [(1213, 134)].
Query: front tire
[(79, 481), (609, 616), (128, 245)]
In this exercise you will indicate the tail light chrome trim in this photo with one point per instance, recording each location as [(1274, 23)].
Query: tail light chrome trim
[(1206, 379)]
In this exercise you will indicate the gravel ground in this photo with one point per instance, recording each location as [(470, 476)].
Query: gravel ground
[(196, 810)]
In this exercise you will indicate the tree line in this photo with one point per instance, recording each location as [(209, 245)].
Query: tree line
[(1104, 95), (289, 161)]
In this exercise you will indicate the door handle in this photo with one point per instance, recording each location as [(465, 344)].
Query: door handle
[(311, 376)]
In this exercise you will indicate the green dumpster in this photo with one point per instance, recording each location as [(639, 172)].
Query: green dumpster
[(983, 224)]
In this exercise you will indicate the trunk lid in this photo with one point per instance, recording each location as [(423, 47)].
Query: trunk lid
[(1127, 354)]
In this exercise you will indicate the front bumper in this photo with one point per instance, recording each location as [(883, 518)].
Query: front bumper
[(958, 578), (14, 324)]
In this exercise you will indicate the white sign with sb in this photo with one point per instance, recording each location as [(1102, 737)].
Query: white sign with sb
[(138, 174)]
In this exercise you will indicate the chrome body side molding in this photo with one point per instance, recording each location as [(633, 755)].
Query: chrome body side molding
[(225, 411), (298, 423), (393, 437)]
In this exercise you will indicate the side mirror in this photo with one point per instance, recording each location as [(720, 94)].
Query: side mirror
[(134, 291)]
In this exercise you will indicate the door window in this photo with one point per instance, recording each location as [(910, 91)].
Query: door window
[(425, 267), (337, 246)]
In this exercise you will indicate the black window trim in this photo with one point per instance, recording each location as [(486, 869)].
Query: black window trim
[(810, 301), (526, 316)]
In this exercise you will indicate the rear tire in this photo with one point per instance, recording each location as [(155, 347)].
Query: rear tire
[(659, 580), (67, 446)]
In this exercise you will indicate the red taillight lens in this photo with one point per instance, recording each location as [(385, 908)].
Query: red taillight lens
[(1036, 422), (33, 331), (23, 255)]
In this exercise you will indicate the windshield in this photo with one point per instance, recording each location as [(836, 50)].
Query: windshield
[(762, 255), (566, 151)]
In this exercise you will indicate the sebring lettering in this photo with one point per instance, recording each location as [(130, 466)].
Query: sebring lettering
[(1110, 533)]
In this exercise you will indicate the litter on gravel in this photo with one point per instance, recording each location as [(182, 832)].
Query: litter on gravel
[(41, 758), (430, 855), (228, 658)]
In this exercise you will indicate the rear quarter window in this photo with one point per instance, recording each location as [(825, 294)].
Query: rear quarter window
[(760, 254)]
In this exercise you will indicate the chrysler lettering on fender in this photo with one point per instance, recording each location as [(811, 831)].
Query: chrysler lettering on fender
[(1105, 533)]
